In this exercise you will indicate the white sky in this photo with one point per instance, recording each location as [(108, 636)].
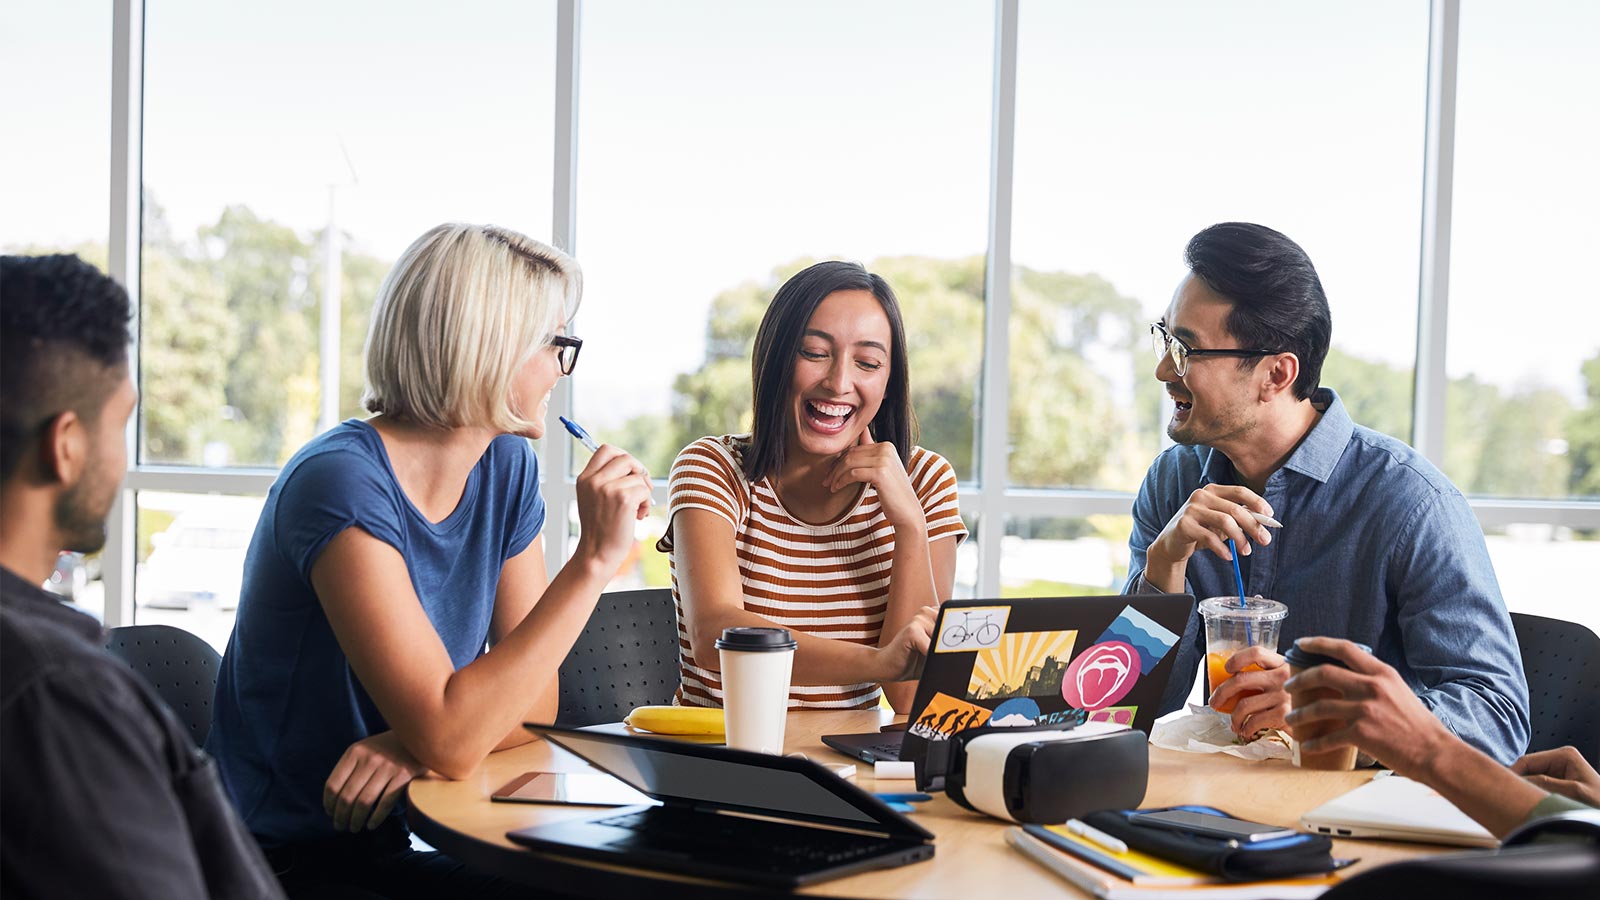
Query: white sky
[(720, 139)]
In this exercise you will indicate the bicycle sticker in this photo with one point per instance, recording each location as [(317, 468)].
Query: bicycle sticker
[(971, 628)]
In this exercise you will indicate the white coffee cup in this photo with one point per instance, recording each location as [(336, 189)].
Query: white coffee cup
[(756, 663)]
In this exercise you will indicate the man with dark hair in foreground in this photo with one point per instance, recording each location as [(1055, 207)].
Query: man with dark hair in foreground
[(102, 792), (1376, 545)]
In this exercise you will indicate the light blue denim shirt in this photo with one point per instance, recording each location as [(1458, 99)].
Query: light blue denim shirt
[(1377, 546)]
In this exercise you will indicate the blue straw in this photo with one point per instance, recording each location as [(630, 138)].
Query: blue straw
[(1238, 579)]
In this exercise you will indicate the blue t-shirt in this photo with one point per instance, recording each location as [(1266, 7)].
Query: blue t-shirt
[(287, 702)]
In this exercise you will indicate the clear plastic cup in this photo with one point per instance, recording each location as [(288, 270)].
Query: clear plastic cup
[(1232, 626)]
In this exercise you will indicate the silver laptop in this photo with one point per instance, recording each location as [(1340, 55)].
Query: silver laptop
[(1397, 809)]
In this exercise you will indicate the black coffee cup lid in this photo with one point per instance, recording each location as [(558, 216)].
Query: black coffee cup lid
[(1304, 659), (756, 640)]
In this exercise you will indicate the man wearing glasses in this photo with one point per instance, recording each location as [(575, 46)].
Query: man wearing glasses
[(1376, 545)]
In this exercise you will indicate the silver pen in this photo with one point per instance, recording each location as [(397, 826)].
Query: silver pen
[(1095, 836)]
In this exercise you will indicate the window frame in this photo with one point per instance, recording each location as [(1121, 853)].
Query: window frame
[(987, 500)]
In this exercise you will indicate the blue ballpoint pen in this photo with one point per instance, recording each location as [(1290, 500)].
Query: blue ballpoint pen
[(917, 797), (577, 431)]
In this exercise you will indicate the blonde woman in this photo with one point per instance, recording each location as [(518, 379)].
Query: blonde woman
[(392, 549)]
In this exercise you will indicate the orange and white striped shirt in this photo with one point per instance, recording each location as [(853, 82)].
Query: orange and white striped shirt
[(827, 580)]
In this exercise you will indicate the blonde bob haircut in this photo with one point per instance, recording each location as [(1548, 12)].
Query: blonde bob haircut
[(456, 318)]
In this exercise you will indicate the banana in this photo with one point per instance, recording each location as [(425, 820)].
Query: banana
[(676, 719)]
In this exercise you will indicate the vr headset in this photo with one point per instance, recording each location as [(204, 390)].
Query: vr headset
[(1044, 774)]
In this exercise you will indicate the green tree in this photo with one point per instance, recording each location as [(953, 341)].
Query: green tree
[(187, 340), (263, 268), (1375, 394), (1583, 435), (1518, 456), (1065, 426), (361, 275)]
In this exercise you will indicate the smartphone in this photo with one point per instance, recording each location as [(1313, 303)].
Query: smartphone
[(576, 788), (1211, 826)]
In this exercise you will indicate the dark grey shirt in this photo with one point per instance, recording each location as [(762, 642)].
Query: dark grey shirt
[(1377, 546), (102, 793)]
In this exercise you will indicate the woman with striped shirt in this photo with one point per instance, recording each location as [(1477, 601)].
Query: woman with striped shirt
[(825, 519)]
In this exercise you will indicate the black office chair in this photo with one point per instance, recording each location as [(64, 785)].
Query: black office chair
[(1556, 871), (180, 666), (627, 656), (1563, 685)]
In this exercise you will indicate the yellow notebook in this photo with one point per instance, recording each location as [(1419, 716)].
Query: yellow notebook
[(1151, 869), (1177, 882)]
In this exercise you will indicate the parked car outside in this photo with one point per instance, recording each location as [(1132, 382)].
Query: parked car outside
[(198, 561)]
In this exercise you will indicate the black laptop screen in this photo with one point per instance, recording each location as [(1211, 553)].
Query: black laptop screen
[(723, 782)]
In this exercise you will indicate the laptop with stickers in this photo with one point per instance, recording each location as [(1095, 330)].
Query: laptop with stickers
[(1036, 661)]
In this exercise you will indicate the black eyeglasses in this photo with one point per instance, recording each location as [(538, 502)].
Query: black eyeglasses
[(1181, 353), (567, 352)]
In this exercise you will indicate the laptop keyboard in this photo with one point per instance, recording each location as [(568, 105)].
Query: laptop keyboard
[(753, 841), (888, 750)]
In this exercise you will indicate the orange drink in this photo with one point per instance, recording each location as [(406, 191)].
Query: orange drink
[(1217, 673), (1232, 625)]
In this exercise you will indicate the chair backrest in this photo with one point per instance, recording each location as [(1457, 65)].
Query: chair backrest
[(180, 666), (1563, 684), (1555, 871), (627, 656)]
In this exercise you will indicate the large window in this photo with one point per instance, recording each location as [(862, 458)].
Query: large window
[(1137, 126), (55, 75), (291, 152), (1031, 167), (1524, 344), (724, 145), (55, 162)]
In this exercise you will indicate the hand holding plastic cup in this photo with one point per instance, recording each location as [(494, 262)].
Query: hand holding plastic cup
[(1232, 626), (1340, 760), (756, 663)]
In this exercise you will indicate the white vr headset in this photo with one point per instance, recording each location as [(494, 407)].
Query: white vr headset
[(1047, 774)]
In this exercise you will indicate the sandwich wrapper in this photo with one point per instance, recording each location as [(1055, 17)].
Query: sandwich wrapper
[(1204, 730)]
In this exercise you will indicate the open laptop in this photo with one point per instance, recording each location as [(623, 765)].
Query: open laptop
[(728, 814), (1399, 809), (1033, 661)]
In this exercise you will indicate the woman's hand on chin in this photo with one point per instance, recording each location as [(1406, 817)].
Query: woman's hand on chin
[(878, 464)]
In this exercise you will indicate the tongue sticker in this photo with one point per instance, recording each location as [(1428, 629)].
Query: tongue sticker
[(1104, 674)]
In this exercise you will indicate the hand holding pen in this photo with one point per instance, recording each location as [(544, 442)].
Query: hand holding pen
[(577, 431), (613, 492), (1213, 517)]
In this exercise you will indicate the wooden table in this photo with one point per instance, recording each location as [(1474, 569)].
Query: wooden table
[(971, 861)]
